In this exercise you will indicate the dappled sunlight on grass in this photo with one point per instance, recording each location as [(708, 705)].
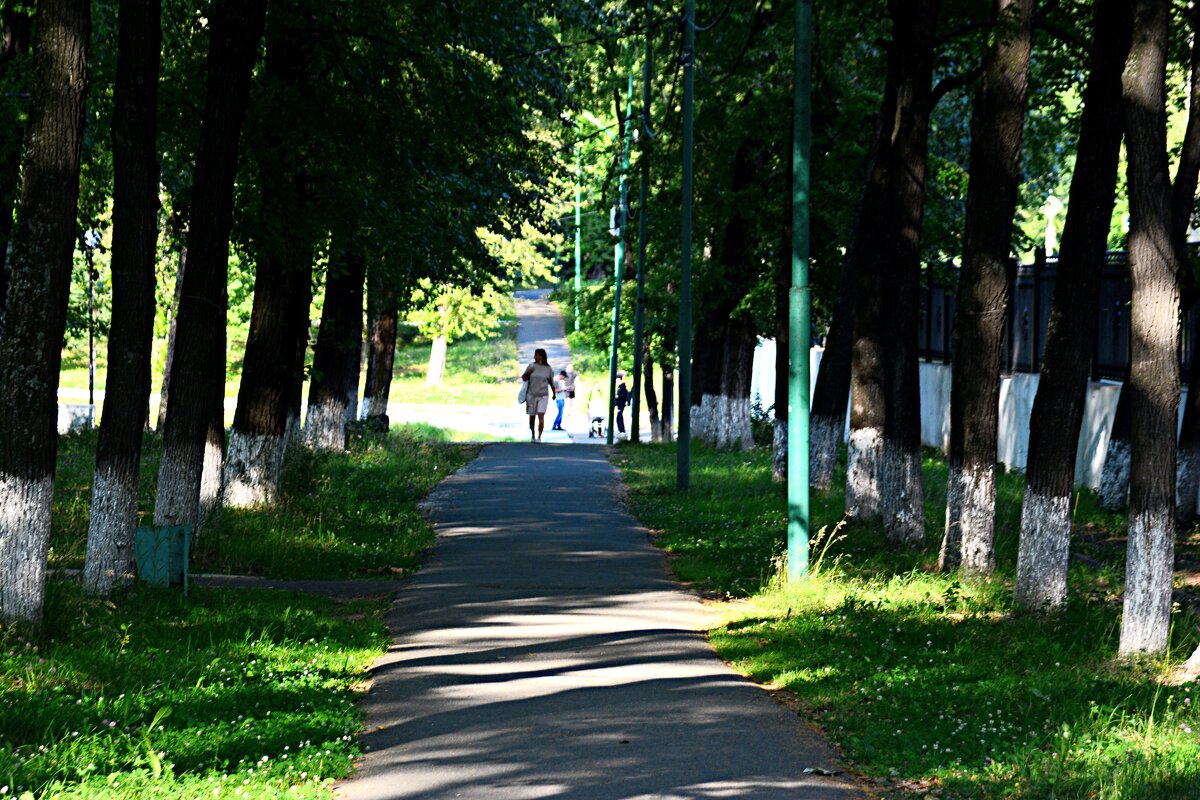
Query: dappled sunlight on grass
[(928, 681), (172, 697)]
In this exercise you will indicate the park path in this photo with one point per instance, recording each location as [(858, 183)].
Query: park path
[(543, 652)]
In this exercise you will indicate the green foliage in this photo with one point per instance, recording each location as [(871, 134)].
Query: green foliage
[(479, 371), (221, 693), (341, 515), (923, 679)]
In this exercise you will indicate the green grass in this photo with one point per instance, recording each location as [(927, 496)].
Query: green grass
[(226, 693), (341, 515), (479, 372), (222, 694), (928, 681)]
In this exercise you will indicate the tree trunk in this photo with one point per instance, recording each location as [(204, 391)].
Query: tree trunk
[(437, 362), (997, 119), (903, 495), (1044, 551), (18, 25), (236, 30), (32, 334), (726, 409), (1183, 200), (1114, 475), (651, 397), (867, 411), (724, 414), (268, 398), (209, 508), (667, 423), (135, 240), (1154, 340), (172, 330), (831, 393), (265, 413), (334, 383), (1187, 460), (883, 476), (381, 302)]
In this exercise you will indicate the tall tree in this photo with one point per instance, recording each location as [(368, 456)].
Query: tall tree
[(884, 473), (135, 239), (1154, 339), (236, 28), (17, 22), (382, 312), (334, 386), (1183, 201), (903, 485), (997, 119), (1043, 555), (31, 335)]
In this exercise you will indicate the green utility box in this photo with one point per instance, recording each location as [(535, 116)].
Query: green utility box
[(162, 555)]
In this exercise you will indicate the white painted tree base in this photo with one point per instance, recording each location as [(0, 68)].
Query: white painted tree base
[(1187, 485), (863, 474), (325, 425), (24, 541), (725, 422), (902, 497), (779, 450), (210, 486), (178, 498), (825, 434), (1044, 553), (1114, 480), (111, 530), (1146, 615), (969, 541), (252, 470)]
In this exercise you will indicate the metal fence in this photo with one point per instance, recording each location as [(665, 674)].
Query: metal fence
[(1031, 290)]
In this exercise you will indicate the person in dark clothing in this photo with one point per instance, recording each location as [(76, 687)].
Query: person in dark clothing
[(622, 401)]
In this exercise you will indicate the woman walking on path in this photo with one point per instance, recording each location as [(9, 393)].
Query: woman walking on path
[(537, 397)]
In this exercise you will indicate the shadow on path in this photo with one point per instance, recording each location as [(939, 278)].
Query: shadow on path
[(544, 653)]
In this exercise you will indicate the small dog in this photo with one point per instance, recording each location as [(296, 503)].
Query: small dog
[(597, 429)]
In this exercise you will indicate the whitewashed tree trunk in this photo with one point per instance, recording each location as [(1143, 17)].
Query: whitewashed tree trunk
[(1045, 551), (825, 434), (437, 362), (1187, 479), (970, 509), (24, 544), (727, 422), (863, 474), (179, 473), (210, 481), (902, 493), (111, 530), (1114, 476), (1146, 613), (779, 449), (253, 467), (325, 425)]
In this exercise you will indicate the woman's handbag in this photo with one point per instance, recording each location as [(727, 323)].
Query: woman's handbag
[(524, 390)]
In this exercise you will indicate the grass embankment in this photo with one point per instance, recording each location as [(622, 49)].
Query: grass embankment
[(226, 693), (928, 681)]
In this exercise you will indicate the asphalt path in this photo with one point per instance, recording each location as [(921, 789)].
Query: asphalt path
[(543, 652)]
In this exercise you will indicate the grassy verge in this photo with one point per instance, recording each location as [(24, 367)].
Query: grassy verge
[(223, 694), (928, 682), (341, 515), (226, 693)]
